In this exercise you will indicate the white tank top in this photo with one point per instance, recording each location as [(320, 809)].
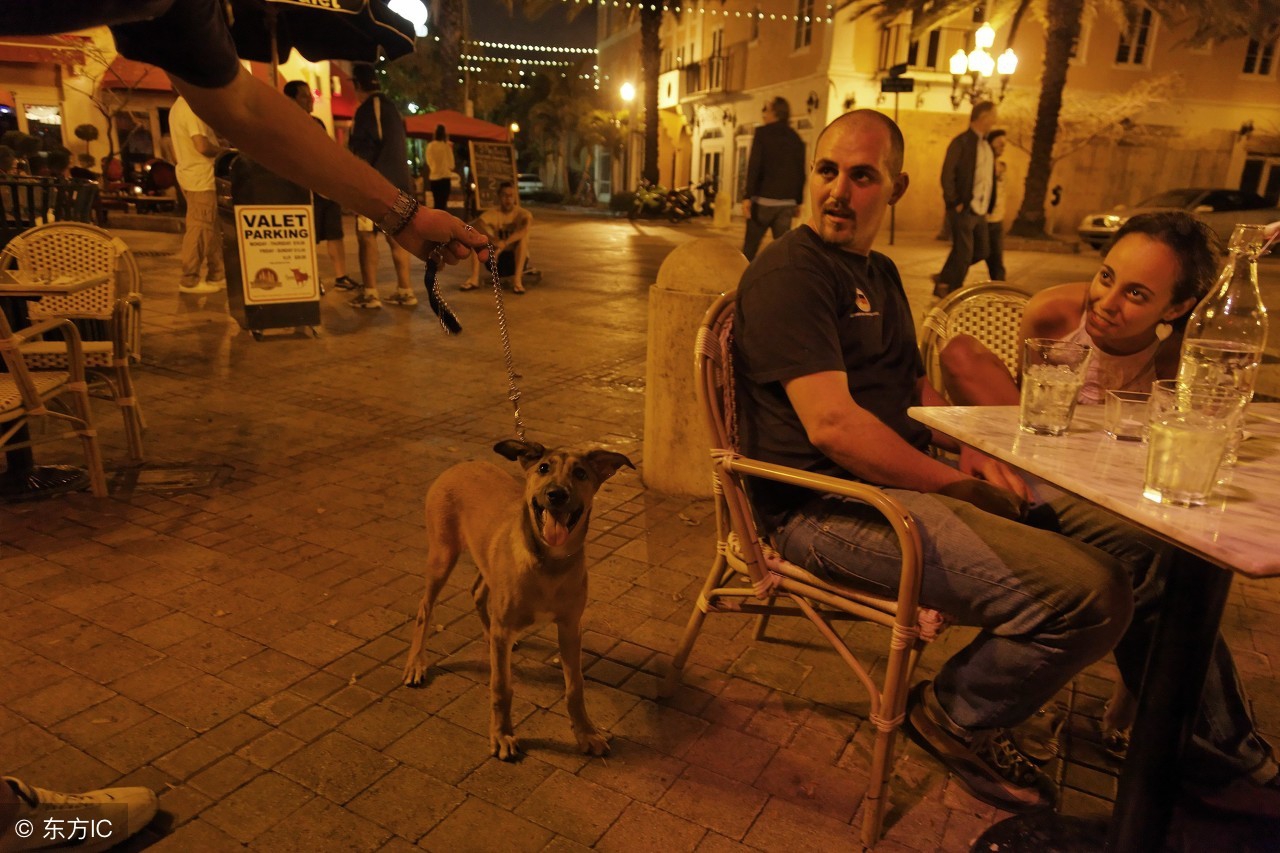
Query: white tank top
[(1134, 372)]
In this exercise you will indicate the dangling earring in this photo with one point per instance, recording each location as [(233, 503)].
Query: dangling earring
[(1163, 331)]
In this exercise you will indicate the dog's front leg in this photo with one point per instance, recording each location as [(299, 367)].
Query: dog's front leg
[(502, 738), (590, 740)]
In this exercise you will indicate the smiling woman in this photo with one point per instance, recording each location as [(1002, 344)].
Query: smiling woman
[(1157, 268)]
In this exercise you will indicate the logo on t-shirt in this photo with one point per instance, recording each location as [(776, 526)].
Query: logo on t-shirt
[(860, 299)]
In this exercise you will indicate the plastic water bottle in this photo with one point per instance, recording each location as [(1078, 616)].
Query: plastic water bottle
[(1227, 331)]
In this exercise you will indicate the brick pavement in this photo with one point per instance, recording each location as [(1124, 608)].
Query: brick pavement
[(238, 647)]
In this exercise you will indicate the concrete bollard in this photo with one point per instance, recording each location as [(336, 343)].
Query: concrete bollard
[(676, 446)]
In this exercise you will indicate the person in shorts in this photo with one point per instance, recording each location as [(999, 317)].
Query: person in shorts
[(507, 227)]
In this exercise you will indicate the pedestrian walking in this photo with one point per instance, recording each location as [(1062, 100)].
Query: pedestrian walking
[(378, 138), (997, 139), (775, 177), (195, 146), (968, 176), (328, 213)]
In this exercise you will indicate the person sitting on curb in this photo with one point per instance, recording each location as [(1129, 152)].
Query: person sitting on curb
[(507, 226)]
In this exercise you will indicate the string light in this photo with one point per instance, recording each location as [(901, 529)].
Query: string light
[(530, 47), (654, 7), (516, 59)]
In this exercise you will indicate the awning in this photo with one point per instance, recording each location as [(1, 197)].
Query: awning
[(138, 76), (36, 50), (457, 125)]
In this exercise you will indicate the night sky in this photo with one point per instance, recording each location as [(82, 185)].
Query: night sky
[(491, 22)]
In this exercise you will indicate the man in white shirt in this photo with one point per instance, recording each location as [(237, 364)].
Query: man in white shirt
[(195, 146)]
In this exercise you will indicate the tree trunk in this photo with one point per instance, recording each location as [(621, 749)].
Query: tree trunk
[(1063, 30), (650, 59), (449, 26)]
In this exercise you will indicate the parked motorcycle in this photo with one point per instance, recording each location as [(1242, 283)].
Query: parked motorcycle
[(681, 204), (709, 186), (649, 202)]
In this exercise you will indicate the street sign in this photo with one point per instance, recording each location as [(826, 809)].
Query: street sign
[(898, 84)]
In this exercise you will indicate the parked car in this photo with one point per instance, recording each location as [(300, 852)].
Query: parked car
[(1222, 209), (528, 184)]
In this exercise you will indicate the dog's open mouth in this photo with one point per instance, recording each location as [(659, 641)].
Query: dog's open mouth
[(555, 524)]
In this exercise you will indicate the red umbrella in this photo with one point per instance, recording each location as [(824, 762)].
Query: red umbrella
[(457, 125)]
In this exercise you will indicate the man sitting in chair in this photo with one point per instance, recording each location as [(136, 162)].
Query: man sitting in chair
[(827, 366), (507, 227)]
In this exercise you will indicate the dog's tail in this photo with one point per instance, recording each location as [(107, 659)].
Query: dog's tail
[(448, 320)]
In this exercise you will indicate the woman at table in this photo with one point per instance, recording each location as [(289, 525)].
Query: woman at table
[(1132, 313), (1156, 269)]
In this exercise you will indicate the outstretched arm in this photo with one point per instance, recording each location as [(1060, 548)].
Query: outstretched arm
[(267, 127)]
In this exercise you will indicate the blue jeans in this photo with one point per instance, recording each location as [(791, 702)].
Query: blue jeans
[(1050, 597), (775, 219)]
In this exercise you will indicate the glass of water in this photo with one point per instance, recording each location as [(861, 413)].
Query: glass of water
[(1187, 437), (1052, 373)]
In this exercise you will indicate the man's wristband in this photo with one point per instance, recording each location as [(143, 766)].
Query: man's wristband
[(400, 214)]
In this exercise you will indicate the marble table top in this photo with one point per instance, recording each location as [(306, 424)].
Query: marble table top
[(1238, 529)]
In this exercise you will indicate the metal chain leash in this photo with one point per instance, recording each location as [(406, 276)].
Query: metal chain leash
[(513, 390), (451, 326)]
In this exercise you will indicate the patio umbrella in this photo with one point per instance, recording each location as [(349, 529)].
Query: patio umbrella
[(458, 126), (355, 30)]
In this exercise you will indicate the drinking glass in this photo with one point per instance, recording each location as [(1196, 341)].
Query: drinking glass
[(1124, 415), (1052, 373), (1187, 436)]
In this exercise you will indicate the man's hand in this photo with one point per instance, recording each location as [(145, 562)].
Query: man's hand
[(978, 464), (987, 498), (431, 229), (746, 207)]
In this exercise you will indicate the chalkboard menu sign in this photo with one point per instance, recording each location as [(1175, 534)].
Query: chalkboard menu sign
[(491, 164)]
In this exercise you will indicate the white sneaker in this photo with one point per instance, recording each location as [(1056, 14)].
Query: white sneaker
[(403, 298), (217, 283), (200, 287), (366, 299), (88, 822)]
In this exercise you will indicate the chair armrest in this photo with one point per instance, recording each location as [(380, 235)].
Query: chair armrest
[(873, 495), (71, 335)]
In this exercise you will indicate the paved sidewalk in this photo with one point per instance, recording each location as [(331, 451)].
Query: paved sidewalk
[(238, 646)]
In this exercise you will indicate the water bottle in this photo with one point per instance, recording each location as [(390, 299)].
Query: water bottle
[(1227, 331)]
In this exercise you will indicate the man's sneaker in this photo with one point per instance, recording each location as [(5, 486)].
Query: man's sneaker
[(367, 299), (217, 283), (1244, 795), (403, 298), (199, 288), (86, 823), (345, 282), (986, 762)]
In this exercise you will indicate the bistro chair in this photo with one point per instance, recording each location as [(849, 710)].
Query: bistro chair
[(25, 395), (108, 316), (26, 202), (990, 312), (748, 576)]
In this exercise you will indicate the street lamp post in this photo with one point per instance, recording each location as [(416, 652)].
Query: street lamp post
[(628, 95), (978, 66)]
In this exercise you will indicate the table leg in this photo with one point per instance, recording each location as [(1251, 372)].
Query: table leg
[(1190, 611), (1194, 598)]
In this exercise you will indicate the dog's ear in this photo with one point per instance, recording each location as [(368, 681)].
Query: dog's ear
[(606, 463), (524, 452)]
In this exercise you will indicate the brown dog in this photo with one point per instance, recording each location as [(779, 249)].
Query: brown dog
[(527, 543)]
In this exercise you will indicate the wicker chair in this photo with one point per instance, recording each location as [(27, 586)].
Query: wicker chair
[(778, 587), (24, 394), (991, 312), (108, 316)]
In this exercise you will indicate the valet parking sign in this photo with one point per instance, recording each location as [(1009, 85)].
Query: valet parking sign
[(277, 253)]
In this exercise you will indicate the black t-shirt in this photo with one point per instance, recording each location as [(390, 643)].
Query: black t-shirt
[(381, 144), (806, 308), (190, 39)]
